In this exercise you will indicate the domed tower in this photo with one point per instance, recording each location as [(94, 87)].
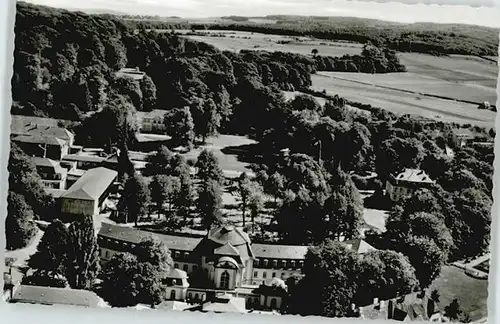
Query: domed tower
[(226, 256)]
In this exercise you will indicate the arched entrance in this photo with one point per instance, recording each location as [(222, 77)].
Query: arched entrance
[(224, 280)]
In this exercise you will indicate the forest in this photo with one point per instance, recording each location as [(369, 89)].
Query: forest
[(208, 92)]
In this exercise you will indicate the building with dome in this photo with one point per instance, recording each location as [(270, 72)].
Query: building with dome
[(223, 262)]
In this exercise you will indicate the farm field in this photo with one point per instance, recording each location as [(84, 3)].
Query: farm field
[(422, 84), (236, 40), (456, 76), (404, 103), (469, 70)]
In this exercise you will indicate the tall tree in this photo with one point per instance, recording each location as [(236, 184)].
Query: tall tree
[(384, 274), (163, 190), (20, 227), (148, 89), (82, 261), (121, 274), (208, 167), (244, 191), (160, 162), (135, 199), (330, 280), (52, 251), (209, 202), (179, 125)]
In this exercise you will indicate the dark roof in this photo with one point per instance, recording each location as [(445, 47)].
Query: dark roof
[(38, 139), (132, 235), (51, 296), (38, 125), (92, 184), (228, 234), (271, 251)]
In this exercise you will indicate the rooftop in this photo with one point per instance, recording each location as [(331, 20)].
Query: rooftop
[(51, 296), (84, 158), (24, 125), (92, 184), (39, 139), (413, 175), (133, 73), (359, 246), (132, 235), (294, 252)]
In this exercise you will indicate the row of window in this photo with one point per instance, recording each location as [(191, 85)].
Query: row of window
[(265, 273), (123, 245), (179, 255), (283, 264)]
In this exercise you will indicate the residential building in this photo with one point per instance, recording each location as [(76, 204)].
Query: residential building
[(412, 307), (152, 121), (88, 194), (226, 259), (56, 296), (133, 73), (405, 183), (52, 173), (41, 137)]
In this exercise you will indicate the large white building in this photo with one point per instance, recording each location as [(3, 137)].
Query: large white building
[(223, 262), (405, 183)]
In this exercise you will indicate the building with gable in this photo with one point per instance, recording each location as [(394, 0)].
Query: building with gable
[(223, 262), (52, 173), (405, 183), (88, 194)]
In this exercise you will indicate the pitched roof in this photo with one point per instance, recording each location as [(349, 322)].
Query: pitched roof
[(227, 249), (38, 125), (39, 139), (413, 175), (92, 184), (51, 296), (359, 246), (132, 235), (271, 251), (229, 234)]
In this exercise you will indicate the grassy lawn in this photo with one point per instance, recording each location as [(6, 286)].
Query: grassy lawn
[(471, 293), (230, 163), (375, 218)]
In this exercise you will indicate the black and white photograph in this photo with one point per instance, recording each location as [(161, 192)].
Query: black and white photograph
[(266, 157)]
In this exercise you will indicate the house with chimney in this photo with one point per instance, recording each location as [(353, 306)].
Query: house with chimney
[(41, 137), (405, 183)]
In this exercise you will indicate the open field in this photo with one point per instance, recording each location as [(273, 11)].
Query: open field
[(422, 84), (472, 294), (229, 163), (460, 77), (404, 103), (236, 40)]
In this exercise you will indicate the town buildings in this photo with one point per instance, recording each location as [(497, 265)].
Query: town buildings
[(405, 183), (223, 262)]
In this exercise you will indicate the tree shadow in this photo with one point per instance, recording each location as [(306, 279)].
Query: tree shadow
[(247, 153)]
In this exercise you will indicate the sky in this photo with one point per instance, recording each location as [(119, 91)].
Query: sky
[(478, 12)]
